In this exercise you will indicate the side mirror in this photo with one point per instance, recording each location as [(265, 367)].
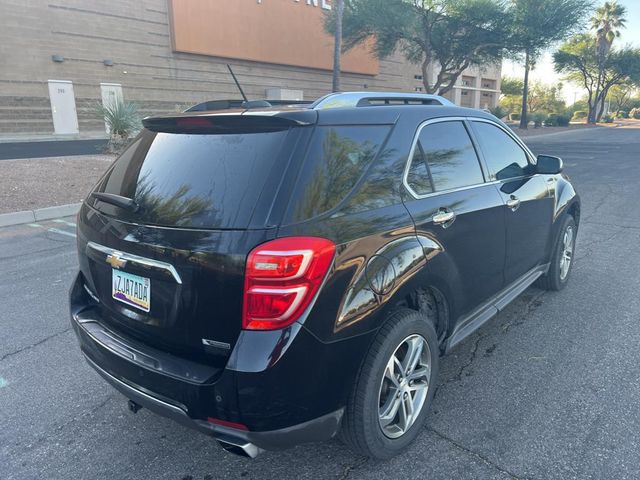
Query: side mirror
[(548, 164)]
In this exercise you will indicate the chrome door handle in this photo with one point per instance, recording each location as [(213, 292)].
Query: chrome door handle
[(513, 203), (444, 218)]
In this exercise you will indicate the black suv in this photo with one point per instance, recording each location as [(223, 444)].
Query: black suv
[(277, 276)]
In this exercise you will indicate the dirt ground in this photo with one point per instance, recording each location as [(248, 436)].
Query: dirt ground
[(33, 183)]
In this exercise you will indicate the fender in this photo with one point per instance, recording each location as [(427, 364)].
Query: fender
[(566, 200)]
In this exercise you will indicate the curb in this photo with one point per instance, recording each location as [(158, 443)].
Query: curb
[(553, 134), (30, 216)]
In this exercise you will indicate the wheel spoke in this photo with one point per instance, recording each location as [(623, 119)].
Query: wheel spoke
[(406, 412), (414, 352), (390, 410), (419, 378), (391, 372)]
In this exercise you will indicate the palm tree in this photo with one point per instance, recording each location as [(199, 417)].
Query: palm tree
[(337, 50), (607, 22)]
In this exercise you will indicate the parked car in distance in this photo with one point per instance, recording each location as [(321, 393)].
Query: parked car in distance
[(278, 276)]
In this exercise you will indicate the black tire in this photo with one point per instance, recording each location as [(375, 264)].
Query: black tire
[(361, 429), (554, 279)]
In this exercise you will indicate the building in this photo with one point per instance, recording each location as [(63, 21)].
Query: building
[(61, 57)]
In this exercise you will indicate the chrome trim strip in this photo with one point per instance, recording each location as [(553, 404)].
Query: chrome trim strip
[(135, 394), (431, 121), (129, 257)]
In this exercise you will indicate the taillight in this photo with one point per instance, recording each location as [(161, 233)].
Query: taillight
[(281, 279)]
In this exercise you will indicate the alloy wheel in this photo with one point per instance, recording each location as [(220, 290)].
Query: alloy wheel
[(404, 386), (566, 255)]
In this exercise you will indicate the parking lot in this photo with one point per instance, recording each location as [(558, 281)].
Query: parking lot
[(549, 389)]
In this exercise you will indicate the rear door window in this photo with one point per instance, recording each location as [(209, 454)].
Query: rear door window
[(443, 159), (194, 180), (337, 157), (504, 157)]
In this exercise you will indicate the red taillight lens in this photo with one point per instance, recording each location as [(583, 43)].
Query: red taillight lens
[(281, 279)]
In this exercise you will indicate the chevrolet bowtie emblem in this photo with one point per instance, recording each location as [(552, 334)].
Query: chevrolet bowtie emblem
[(115, 261)]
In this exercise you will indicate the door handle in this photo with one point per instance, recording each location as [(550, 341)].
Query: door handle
[(444, 218), (513, 203)]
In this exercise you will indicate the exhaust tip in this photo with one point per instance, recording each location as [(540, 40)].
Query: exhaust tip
[(247, 450)]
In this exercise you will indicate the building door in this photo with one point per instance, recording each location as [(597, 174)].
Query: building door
[(111, 94), (63, 107)]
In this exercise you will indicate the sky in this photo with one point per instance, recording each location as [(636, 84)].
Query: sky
[(544, 69)]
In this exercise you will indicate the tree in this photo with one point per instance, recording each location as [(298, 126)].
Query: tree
[(620, 96), (607, 22), (511, 86), (337, 49), (538, 24), (452, 35), (578, 59), (545, 98)]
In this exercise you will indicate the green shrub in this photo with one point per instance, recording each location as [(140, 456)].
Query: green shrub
[(607, 119), (498, 111), (564, 119), (622, 114), (557, 120), (122, 121), (635, 113), (537, 118), (514, 117), (579, 115)]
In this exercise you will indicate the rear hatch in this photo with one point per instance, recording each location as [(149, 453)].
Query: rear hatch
[(164, 237)]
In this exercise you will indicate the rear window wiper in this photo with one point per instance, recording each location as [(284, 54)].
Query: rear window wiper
[(117, 200)]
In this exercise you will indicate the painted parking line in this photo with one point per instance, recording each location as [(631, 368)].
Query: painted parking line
[(69, 224), (53, 230)]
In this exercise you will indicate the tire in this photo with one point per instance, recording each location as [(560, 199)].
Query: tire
[(362, 428), (558, 275)]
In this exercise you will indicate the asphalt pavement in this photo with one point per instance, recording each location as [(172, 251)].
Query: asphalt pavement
[(550, 389)]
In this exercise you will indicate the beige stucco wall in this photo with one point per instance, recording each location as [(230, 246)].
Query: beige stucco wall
[(135, 36)]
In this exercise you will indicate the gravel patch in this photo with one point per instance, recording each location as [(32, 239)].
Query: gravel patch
[(32, 183)]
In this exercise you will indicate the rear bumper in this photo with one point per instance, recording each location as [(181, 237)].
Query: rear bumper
[(269, 395), (249, 443)]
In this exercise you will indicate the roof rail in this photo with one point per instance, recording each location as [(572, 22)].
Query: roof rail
[(369, 99)]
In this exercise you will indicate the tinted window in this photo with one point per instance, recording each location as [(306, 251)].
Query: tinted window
[(337, 157), (443, 158), (202, 181), (504, 157)]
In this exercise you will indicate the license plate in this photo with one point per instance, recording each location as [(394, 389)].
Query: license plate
[(132, 290)]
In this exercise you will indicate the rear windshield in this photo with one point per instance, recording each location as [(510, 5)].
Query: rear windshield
[(193, 180)]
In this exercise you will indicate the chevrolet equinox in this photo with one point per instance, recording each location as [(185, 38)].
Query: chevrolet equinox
[(274, 276)]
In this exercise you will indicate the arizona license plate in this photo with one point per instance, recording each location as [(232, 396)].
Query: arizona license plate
[(132, 290)]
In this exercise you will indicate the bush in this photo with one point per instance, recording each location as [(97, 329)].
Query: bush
[(607, 119), (122, 120), (514, 117), (537, 118), (579, 115), (635, 113), (622, 114), (498, 111), (557, 120)]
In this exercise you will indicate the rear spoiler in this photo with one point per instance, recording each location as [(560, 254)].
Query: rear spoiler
[(240, 122)]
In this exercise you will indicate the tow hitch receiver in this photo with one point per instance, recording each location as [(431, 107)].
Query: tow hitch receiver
[(133, 406)]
